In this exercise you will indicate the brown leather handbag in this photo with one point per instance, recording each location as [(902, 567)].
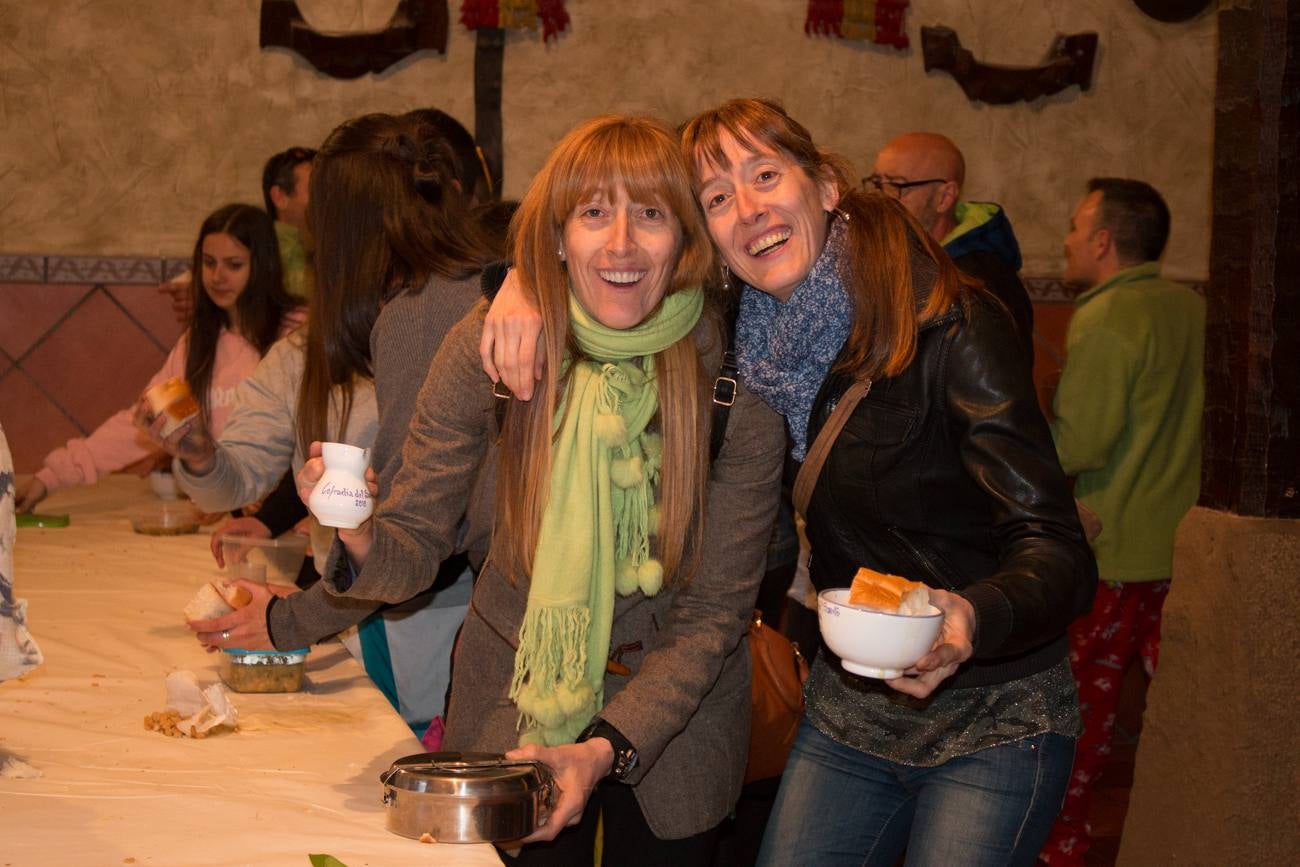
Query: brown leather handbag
[(780, 671), (779, 675)]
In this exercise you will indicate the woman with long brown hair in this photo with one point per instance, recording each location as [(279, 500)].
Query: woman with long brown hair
[(239, 309), (605, 634), (397, 261), (944, 472)]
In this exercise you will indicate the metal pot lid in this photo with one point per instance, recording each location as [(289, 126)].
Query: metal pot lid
[(466, 775)]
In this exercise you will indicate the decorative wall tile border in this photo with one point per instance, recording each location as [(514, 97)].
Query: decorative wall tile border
[(150, 270), (116, 270), (1049, 290), (1054, 290), (22, 269)]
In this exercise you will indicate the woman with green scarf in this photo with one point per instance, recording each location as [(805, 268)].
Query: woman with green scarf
[(605, 633)]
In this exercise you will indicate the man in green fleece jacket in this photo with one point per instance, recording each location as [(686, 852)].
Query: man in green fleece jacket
[(1128, 427)]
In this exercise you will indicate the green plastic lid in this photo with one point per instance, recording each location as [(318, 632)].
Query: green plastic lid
[(32, 519)]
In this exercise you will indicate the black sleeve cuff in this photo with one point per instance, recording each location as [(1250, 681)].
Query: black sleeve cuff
[(490, 280), (283, 508), (269, 634), (994, 617)]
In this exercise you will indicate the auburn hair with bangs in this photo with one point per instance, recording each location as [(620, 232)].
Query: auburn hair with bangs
[(641, 156), (888, 310)]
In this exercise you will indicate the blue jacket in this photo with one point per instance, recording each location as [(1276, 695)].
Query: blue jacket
[(984, 245)]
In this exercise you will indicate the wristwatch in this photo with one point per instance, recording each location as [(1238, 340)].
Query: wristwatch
[(625, 757)]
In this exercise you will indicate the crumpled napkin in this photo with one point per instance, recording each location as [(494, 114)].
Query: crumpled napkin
[(203, 709)]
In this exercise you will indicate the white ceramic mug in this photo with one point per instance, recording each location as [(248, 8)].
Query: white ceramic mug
[(341, 497)]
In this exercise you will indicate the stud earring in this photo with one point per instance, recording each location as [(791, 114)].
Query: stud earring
[(560, 253)]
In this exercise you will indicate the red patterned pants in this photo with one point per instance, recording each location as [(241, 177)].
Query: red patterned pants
[(1124, 623)]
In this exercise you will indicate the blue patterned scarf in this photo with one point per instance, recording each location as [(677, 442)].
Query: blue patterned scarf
[(785, 349)]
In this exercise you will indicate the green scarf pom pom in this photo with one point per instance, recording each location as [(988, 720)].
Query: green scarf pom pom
[(625, 577), (650, 577), (610, 429), (626, 472)]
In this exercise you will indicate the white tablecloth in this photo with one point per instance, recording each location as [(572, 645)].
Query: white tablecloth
[(300, 776)]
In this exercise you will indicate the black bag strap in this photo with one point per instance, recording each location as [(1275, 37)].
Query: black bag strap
[(724, 386)]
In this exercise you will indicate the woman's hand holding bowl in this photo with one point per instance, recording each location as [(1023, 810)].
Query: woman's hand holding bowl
[(950, 649)]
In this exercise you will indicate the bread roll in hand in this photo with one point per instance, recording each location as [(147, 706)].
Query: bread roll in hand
[(212, 602)]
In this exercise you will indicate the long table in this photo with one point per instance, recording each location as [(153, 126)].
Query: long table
[(299, 777)]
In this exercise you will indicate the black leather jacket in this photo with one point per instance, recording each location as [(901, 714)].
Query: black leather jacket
[(947, 474)]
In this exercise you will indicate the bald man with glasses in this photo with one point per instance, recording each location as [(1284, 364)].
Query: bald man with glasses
[(925, 171)]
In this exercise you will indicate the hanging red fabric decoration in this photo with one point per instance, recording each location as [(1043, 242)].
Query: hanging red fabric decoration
[(878, 21), (515, 15)]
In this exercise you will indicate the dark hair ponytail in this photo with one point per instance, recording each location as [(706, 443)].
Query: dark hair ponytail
[(385, 214)]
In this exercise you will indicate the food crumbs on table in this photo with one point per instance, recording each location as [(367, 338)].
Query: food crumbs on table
[(128, 860), (165, 722), (426, 837)]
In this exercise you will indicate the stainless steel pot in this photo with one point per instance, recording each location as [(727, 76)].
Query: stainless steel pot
[(466, 797)]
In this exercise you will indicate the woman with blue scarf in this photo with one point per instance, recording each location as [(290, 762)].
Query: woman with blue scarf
[(605, 633), (944, 473)]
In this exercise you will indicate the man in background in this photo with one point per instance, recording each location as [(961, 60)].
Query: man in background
[(286, 190), (1128, 427), (925, 171)]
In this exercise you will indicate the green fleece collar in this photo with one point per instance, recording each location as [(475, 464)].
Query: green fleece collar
[(969, 216), (1135, 274)]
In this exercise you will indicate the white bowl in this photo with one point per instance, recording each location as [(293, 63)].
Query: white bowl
[(164, 485), (872, 643)]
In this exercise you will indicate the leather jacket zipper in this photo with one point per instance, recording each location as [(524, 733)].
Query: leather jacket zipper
[(926, 563)]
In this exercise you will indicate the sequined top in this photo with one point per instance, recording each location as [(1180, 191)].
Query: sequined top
[(868, 716)]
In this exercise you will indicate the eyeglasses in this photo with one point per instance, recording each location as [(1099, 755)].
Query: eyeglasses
[(896, 188)]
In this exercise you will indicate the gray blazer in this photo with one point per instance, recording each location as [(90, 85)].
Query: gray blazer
[(685, 705)]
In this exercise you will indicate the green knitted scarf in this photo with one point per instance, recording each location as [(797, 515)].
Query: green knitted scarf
[(595, 533)]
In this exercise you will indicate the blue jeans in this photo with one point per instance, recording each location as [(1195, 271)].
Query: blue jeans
[(839, 806)]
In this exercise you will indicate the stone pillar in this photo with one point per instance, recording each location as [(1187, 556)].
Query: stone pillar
[(1218, 767)]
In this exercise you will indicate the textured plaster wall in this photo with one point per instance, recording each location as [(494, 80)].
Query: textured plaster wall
[(1218, 766), (123, 121)]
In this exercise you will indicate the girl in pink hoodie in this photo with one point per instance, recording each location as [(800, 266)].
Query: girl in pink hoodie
[(240, 308)]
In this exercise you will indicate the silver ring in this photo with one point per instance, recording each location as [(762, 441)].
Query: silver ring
[(225, 635)]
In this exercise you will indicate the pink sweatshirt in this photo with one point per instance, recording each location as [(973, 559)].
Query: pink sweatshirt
[(118, 443)]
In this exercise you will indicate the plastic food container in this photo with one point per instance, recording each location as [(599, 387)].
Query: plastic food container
[(274, 561), (263, 670), (166, 518)]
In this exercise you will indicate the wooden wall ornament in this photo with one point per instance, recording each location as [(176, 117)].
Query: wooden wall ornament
[(1173, 11), (1069, 62), (416, 25)]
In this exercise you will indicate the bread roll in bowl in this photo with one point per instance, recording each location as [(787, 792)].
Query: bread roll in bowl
[(892, 594)]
